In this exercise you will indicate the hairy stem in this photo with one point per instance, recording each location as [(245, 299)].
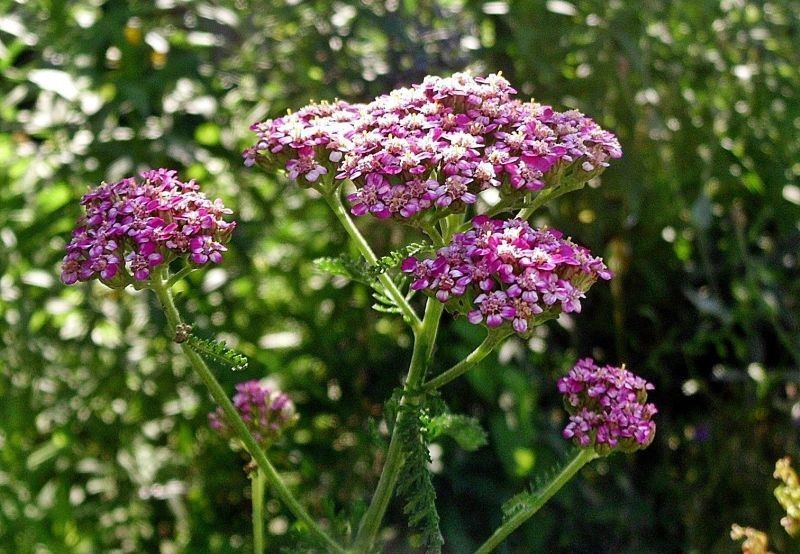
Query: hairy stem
[(234, 419), (335, 203), (492, 340), (424, 341), (545, 196), (583, 457), (257, 482)]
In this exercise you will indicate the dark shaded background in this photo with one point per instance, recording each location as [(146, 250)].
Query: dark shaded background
[(103, 437)]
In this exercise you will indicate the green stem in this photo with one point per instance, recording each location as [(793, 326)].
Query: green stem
[(433, 234), (335, 203), (583, 457), (257, 482), (184, 271), (484, 349), (546, 196), (234, 419), (420, 359)]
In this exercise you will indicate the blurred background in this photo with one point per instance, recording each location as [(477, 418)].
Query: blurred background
[(104, 444)]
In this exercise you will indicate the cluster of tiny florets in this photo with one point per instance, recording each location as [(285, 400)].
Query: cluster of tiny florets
[(266, 412), (134, 225), (435, 145), (507, 271), (307, 143), (788, 494), (608, 408)]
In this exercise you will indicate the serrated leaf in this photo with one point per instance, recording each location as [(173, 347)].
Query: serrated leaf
[(414, 484), (396, 257), (344, 266), (386, 309), (465, 430), (526, 499), (218, 351), (516, 504)]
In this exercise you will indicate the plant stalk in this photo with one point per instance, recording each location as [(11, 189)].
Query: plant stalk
[(335, 203), (583, 457), (257, 482), (424, 341), (234, 419), (483, 349)]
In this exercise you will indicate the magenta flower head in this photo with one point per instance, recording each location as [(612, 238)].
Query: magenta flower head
[(266, 412), (135, 225), (608, 408), (307, 144), (428, 150), (508, 273)]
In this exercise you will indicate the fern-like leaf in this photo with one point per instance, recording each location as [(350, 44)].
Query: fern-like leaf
[(414, 484), (396, 257), (465, 430), (526, 499), (516, 504), (345, 266), (218, 351)]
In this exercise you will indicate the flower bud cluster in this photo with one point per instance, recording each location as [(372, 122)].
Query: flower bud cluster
[(135, 225), (788, 494), (266, 412), (507, 271), (608, 408), (435, 146)]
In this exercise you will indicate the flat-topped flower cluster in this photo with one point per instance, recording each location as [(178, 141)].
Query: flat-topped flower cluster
[(434, 146), (266, 412), (507, 271), (608, 407), (135, 225)]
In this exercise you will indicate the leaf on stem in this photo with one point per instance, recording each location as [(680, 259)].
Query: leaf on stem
[(345, 266), (396, 257), (218, 351), (414, 484), (526, 499), (465, 430)]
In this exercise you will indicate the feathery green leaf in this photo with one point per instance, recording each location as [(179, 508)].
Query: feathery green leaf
[(217, 351)]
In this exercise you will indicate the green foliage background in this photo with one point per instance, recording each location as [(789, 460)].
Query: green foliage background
[(104, 444)]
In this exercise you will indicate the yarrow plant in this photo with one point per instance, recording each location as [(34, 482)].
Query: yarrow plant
[(464, 161), (135, 225)]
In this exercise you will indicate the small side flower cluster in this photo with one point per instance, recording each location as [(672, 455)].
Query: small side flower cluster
[(506, 271), (755, 541), (788, 494), (434, 146), (608, 408), (266, 412), (135, 225), (307, 143)]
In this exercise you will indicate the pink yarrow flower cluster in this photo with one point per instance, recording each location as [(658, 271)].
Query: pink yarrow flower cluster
[(134, 225), (507, 271), (608, 408), (266, 412), (306, 143), (436, 145)]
